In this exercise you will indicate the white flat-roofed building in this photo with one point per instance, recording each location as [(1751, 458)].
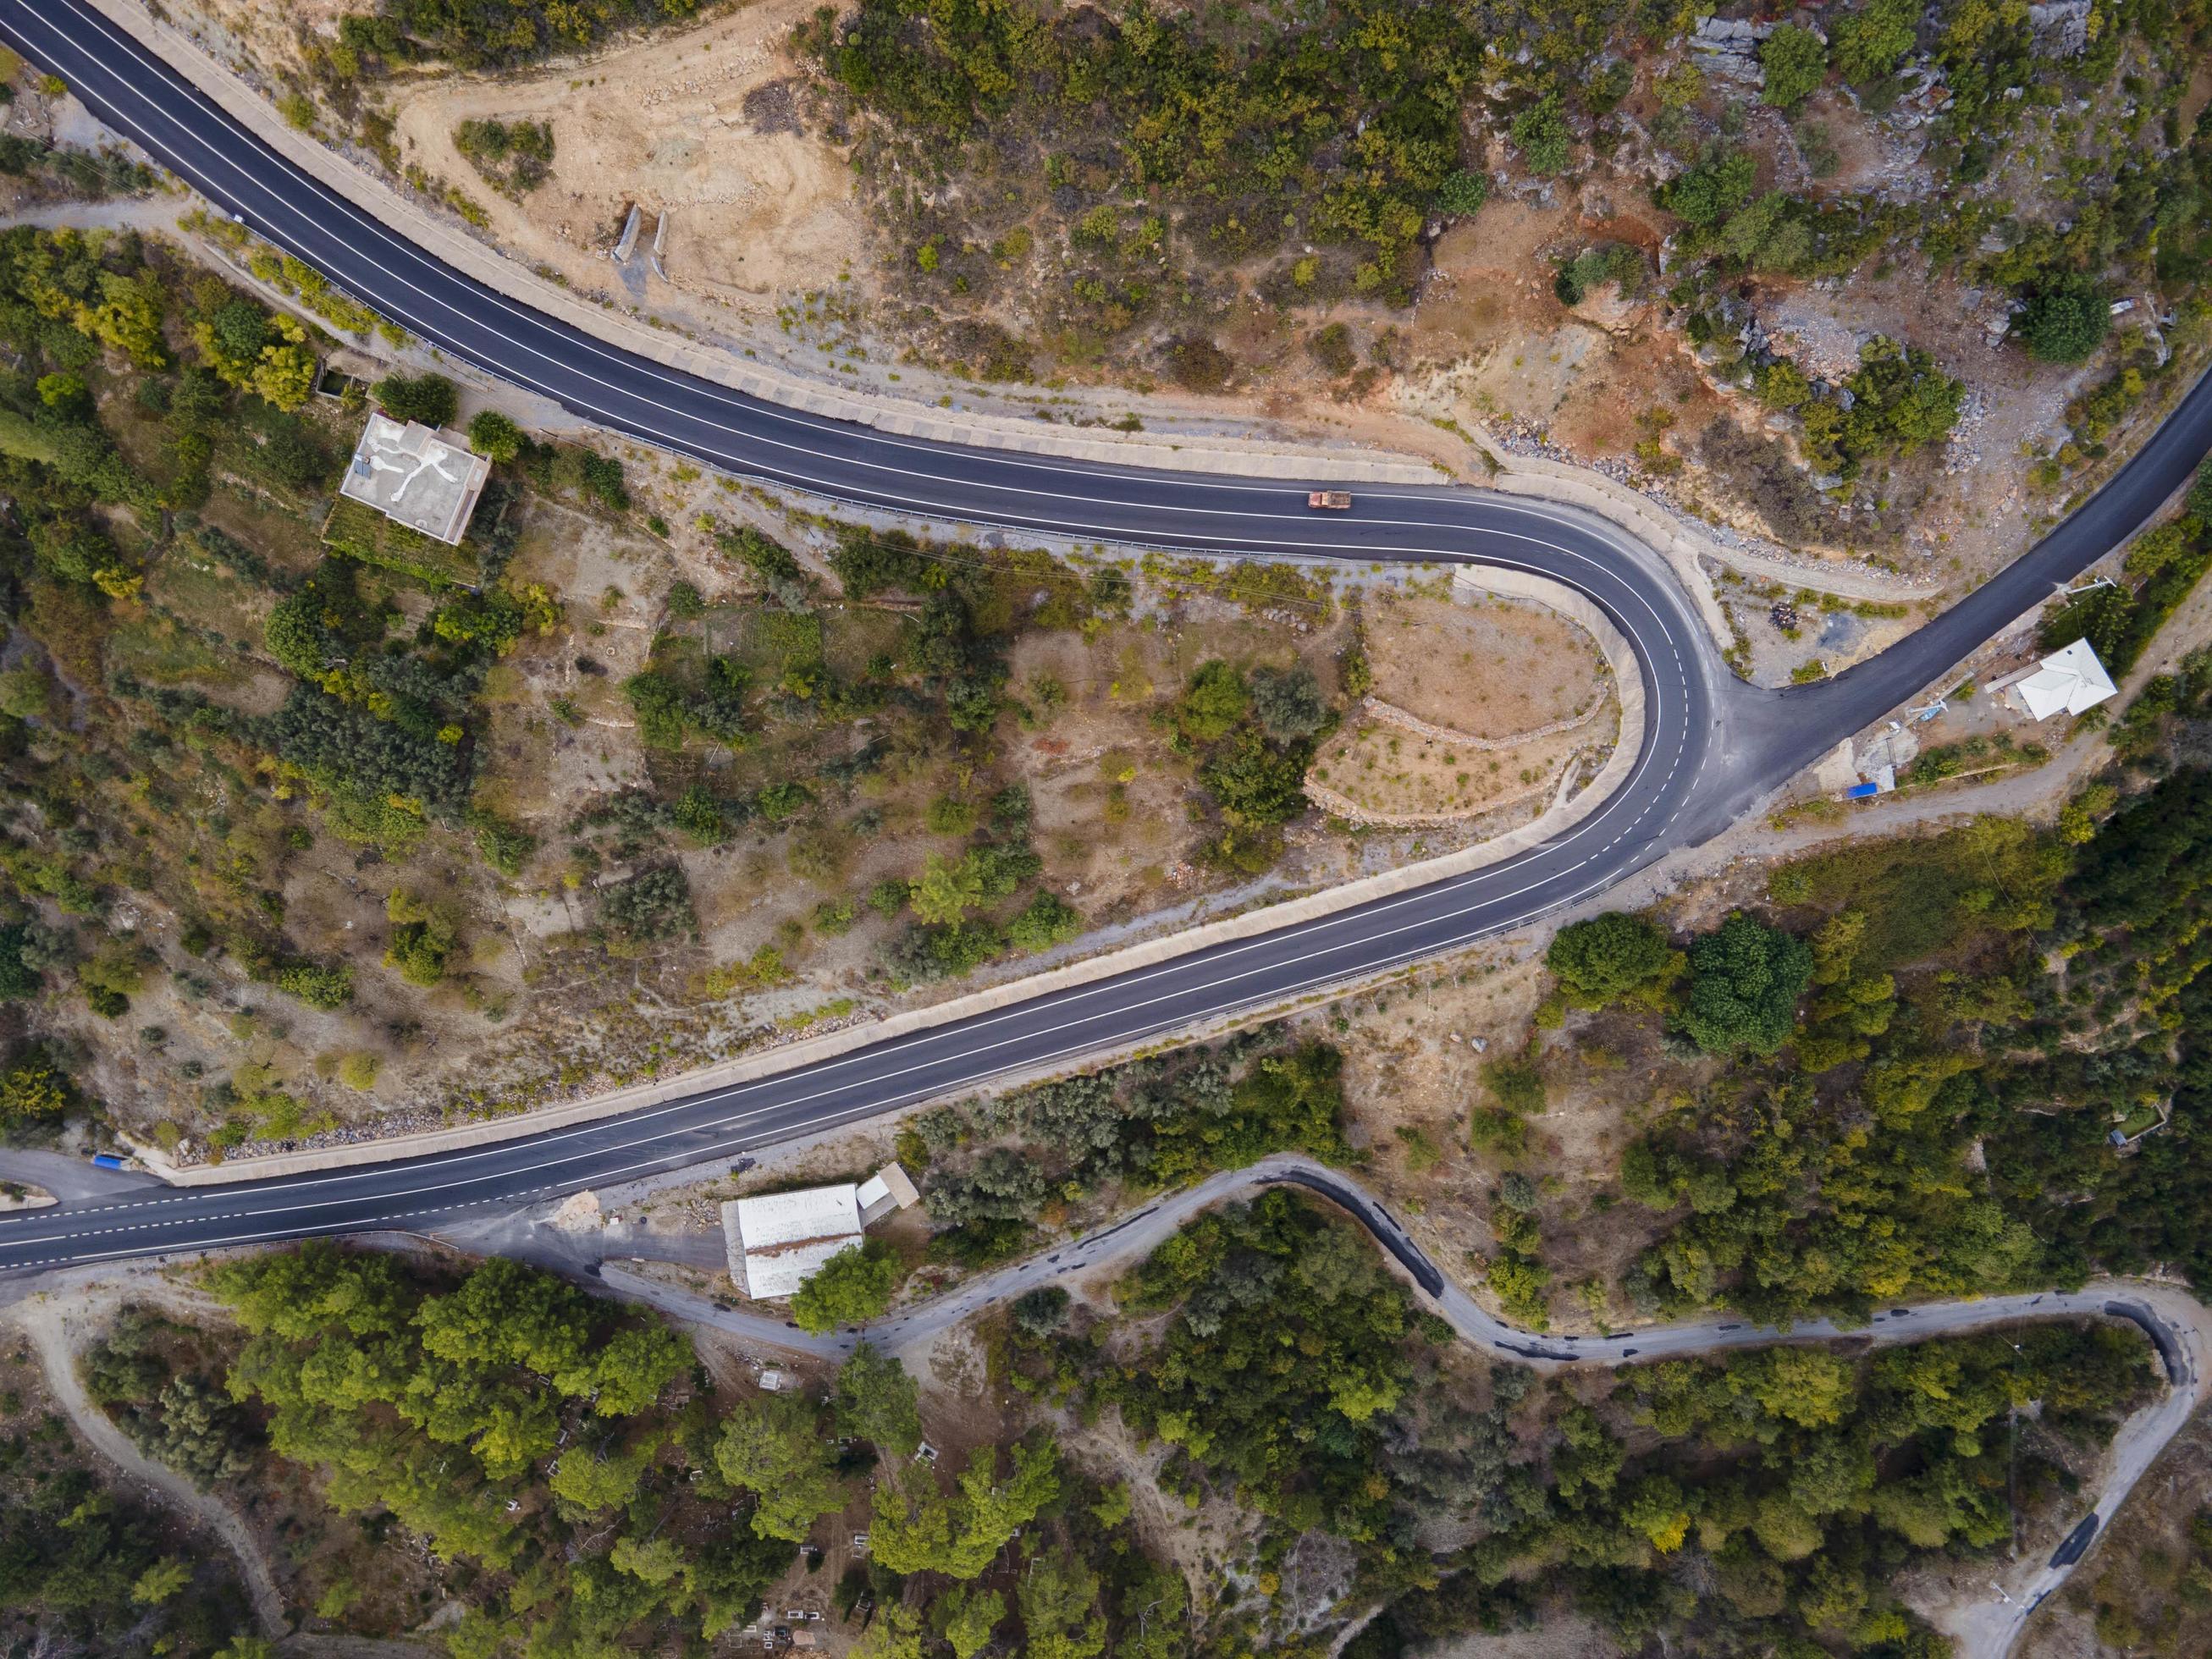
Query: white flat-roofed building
[(416, 474), (777, 1241)]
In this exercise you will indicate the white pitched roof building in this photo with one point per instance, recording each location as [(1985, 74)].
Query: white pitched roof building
[(776, 1242), (2070, 682)]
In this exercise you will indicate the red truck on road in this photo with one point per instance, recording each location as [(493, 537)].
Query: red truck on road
[(1336, 501)]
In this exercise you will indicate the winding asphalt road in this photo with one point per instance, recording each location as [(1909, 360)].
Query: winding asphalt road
[(1712, 744)]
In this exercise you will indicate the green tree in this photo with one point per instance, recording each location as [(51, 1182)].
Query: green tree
[(1059, 1601), (916, 1529), (877, 1401), (634, 1366), (1744, 982), (594, 1483), (495, 437), (1871, 41), (2066, 321), (657, 1561), (896, 1633), (969, 1617), (769, 1446), (161, 1581), (852, 1287), (1658, 1511), (911, 1531), (988, 1511), (1610, 956), (1810, 1388), (1795, 61)]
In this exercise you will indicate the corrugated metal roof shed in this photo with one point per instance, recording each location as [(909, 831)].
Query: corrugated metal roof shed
[(778, 1240)]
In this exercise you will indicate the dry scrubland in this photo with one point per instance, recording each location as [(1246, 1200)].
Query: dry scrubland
[(321, 831), (876, 230)]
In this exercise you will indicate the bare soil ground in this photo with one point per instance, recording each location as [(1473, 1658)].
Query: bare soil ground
[(700, 125), (1489, 668), (1382, 771)]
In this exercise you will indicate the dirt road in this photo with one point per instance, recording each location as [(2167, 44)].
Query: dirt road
[(58, 1323)]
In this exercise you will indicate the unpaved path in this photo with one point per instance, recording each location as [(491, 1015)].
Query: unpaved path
[(57, 1326)]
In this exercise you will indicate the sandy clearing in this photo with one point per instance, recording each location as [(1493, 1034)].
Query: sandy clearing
[(693, 123)]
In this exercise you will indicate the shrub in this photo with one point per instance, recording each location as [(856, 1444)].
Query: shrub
[(1199, 365), (431, 398), (1462, 193), (1331, 347), (698, 814), (1213, 703), (1048, 920), (1517, 1085), (2198, 503), (948, 816), (32, 1090), (422, 938), (1796, 63), (1540, 133), (317, 985), (1288, 702), (651, 906)]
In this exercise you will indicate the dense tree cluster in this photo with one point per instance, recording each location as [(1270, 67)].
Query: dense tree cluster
[(1345, 129), (498, 1416), (992, 1166), (1253, 737), (1765, 1503), (2016, 996), (84, 1566)]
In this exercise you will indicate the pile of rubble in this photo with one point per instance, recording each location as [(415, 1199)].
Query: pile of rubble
[(1727, 48)]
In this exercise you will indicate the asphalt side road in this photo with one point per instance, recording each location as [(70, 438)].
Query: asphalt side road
[(2178, 1326)]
